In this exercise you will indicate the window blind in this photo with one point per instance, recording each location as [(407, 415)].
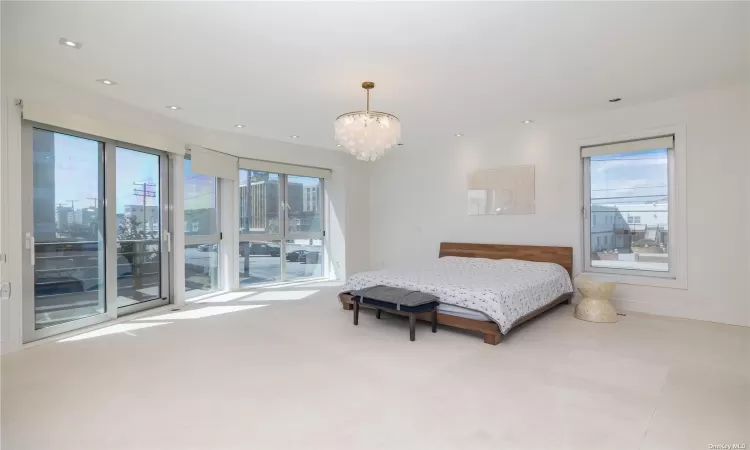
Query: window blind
[(213, 163), (629, 146)]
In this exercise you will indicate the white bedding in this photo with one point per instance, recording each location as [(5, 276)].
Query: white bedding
[(505, 290)]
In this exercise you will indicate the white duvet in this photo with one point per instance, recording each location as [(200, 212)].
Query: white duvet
[(505, 290)]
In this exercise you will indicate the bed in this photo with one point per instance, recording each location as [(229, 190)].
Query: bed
[(488, 288)]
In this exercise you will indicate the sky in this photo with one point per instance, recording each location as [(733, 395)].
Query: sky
[(639, 177), (77, 172)]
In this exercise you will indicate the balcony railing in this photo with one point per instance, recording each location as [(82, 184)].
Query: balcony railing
[(70, 274)]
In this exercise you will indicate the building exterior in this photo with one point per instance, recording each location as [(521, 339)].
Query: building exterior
[(310, 199), (147, 217), (46, 216), (259, 205), (260, 202), (200, 221), (619, 227)]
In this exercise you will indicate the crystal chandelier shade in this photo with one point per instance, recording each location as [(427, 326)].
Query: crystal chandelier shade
[(367, 134)]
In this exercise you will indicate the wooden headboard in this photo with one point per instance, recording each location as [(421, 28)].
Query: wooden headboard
[(558, 255)]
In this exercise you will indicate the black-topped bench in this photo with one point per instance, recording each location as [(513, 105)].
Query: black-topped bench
[(395, 299)]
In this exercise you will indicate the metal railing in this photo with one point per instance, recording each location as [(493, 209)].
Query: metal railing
[(70, 274)]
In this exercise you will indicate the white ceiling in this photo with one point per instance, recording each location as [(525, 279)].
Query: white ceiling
[(290, 68)]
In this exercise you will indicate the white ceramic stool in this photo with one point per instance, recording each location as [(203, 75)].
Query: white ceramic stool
[(595, 306)]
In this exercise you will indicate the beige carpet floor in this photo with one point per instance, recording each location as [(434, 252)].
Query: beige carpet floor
[(285, 369)]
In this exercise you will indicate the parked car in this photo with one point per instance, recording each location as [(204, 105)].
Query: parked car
[(296, 256), (259, 249), (312, 257), (303, 256)]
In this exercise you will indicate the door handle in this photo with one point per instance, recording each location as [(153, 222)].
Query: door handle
[(30, 247)]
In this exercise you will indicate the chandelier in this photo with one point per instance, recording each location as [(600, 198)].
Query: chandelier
[(367, 134)]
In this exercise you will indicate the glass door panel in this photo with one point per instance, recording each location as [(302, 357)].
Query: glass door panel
[(303, 245), (138, 205), (260, 200), (68, 229), (201, 269), (303, 205), (259, 262), (202, 237), (304, 258)]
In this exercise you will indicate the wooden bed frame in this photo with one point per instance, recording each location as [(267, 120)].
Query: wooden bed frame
[(491, 332)]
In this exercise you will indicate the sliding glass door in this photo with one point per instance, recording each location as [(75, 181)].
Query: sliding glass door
[(65, 237), (281, 227), (304, 230), (140, 178), (92, 253), (202, 236)]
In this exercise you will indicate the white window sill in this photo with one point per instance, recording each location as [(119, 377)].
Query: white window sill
[(671, 283)]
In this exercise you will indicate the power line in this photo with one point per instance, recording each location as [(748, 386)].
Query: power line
[(628, 188)]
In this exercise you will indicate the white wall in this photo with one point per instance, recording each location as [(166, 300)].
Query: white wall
[(418, 196), (347, 189)]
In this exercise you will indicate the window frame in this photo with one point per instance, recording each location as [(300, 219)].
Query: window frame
[(676, 277), (283, 235)]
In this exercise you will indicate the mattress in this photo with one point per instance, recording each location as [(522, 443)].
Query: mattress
[(503, 290), (466, 313)]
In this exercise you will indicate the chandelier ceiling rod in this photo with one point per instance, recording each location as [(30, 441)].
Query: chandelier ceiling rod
[(367, 85)]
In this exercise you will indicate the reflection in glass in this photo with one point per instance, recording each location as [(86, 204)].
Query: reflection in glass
[(138, 227), (630, 211), (259, 262), (69, 281), (201, 269), (303, 204), (304, 258), (259, 202), (200, 203)]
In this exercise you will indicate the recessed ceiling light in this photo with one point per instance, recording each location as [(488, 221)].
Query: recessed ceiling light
[(338, 145), (458, 134), (294, 136), (107, 82), (614, 100), (173, 107), (68, 43), (239, 126), (528, 121)]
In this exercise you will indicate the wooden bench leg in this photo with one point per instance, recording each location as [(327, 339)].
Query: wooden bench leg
[(434, 320), (492, 339), (356, 313), (377, 314), (412, 323)]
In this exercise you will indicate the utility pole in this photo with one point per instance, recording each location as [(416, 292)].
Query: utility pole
[(145, 193), (143, 190)]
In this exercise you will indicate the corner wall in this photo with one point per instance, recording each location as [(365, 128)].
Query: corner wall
[(418, 196)]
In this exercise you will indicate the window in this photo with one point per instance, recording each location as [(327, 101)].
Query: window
[(95, 215), (281, 227), (202, 238), (634, 219), (632, 180)]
